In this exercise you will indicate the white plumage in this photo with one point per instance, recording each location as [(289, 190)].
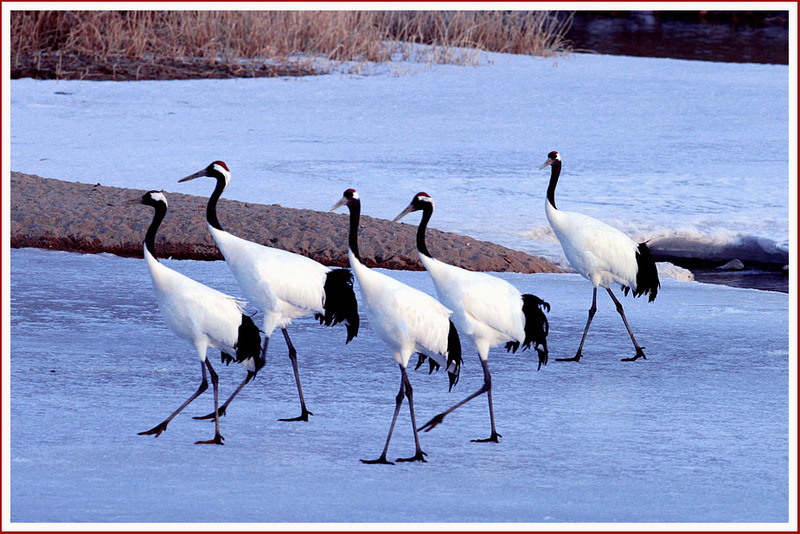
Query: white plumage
[(406, 319), (488, 309), (599, 252), (283, 285), (194, 311), (205, 317), (269, 279), (602, 254)]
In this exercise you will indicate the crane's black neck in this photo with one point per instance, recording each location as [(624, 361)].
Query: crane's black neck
[(211, 209), (355, 218), (427, 211), (158, 217), (555, 172)]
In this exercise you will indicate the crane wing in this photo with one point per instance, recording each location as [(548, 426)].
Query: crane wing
[(404, 317), (191, 308), (270, 277), (483, 305), (598, 251)]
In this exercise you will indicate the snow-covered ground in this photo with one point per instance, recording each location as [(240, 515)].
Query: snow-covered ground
[(702, 431), (698, 432)]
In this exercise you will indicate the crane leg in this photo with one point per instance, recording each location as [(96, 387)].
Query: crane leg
[(485, 388), (419, 456), (592, 311), (217, 439), (487, 383), (224, 406), (639, 350), (162, 426), (398, 403), (304, 413), (250, 375)]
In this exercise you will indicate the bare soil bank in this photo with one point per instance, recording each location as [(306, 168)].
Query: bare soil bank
[(73, 216), (52, 66)]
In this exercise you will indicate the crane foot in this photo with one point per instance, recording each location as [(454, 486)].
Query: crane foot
[(494, 438)]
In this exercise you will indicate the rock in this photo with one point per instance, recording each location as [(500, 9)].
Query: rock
[(669, 270), (733, 265)]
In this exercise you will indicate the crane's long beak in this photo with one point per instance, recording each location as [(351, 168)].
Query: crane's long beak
[(546, 163), (133, 201), (342, 202), (405, 212), (198, 174)]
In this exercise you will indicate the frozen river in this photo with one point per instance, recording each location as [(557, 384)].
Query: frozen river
[(699, 432)]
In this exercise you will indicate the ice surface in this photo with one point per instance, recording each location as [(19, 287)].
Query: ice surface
[(699, 432), (697, 151)]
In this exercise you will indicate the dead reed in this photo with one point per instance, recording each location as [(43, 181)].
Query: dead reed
[(112, 38)]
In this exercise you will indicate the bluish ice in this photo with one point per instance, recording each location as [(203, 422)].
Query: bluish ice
[(700, 432)]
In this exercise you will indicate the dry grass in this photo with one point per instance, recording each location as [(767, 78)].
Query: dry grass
[(110, 37)]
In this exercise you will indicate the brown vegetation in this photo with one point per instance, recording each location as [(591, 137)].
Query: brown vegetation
[(143, 44)]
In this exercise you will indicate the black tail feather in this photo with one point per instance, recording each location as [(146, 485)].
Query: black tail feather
[(340, 302), (453, 355), (536, 327), (647, 282), (249, 343), (433, 365)]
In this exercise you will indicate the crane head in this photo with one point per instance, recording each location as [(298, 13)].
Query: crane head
[(420, 201), (151, 198), (552, 157), (349, 198), (217, 170)]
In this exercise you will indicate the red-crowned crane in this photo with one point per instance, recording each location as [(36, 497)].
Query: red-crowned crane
[(406, 319), (200, 314), (488, 309), (283, 285), (601, 254)]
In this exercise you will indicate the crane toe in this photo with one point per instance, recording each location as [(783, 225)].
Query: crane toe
[(419, 457), (217, 440), (210, 415), (639, 354), (430, 425), (381, 460), (494, 438), (302, 417), (157, 430)]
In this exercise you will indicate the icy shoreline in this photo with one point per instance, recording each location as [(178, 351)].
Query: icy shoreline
[(736, 261), (39, 221), (749, 249), (646, 149), (75, 217)]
